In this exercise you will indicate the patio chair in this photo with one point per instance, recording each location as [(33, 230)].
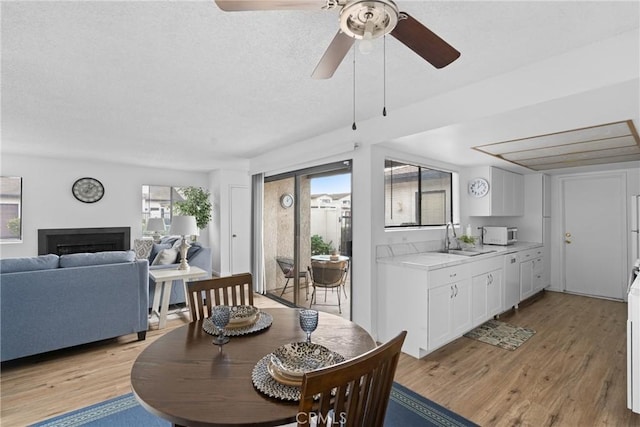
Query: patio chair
[(327, 275), (289, 271)]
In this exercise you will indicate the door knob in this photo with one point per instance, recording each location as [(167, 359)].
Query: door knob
[(234, 235), (567, 234)]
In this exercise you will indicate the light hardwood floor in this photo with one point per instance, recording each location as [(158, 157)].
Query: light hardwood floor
[(571, 373)]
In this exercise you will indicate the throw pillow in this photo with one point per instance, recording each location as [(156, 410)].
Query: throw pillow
[(142, 248), (166, 256), (155, 250), (194, 249)]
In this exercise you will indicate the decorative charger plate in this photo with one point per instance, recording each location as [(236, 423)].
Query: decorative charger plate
[(242, 315), (263, 321), (267, 383), (296, 358)]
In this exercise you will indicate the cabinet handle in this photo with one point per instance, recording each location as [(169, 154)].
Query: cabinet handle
[(456, 290), (453, 274), (451, 296)]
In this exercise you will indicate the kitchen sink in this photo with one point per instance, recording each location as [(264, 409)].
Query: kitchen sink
[(469, 251)]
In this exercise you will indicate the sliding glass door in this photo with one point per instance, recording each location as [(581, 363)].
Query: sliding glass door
[(306, 217), (279, 238)]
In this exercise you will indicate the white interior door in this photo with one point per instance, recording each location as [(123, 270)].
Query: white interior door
[(240, 230), (594, 219)]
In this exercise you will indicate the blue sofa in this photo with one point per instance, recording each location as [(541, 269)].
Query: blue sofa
[(50, 302), (197, 256)]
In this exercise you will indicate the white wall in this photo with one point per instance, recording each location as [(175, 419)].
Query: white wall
[(49, 203)]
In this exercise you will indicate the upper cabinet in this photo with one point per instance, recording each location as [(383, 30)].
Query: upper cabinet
[(504, 196)]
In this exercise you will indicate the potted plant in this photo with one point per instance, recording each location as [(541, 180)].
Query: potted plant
[(196, 203), (467, 241)]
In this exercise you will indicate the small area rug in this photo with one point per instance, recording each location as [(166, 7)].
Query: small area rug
[(406, 409), (501, 334)]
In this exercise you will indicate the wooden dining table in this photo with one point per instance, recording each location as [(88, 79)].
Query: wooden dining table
[(186, 379)]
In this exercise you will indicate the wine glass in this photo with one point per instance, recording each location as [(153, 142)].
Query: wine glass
[(308, 322), (220, 315)]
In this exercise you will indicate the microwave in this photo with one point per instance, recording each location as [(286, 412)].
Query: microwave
[(499, 235)]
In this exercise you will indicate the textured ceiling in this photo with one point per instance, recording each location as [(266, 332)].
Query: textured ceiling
[(183, 84)]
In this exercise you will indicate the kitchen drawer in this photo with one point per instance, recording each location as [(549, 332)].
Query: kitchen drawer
[(446, 275), (530, 254), (485, 265), (538, 266)]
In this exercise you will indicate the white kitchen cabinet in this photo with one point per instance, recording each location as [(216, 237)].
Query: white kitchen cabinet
[(449, 304), (479, 298), (439, 315), (436, 304), (513, 197), (538, 275), (402, 305), (494, 293), (526, 279), (531, 272), (505, 196), (449, 312), (486, 289)]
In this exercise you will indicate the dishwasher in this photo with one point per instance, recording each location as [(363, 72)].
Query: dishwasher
[(511, 281)]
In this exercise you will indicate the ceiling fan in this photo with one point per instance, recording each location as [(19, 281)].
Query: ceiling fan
[(363, 20)]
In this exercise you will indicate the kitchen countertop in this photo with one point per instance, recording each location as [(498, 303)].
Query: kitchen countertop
[(436, 260)]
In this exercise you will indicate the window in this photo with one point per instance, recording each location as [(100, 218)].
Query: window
[(416, 196), (157, 202), (10, 209)]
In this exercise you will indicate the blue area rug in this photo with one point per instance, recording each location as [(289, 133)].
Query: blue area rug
[(406, 409)]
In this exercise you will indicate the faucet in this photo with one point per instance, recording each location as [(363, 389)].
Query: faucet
[(447, 241)]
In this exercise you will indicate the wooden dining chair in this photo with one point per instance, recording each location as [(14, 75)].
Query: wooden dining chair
[(355, 392), (327, 275), (229, 290)]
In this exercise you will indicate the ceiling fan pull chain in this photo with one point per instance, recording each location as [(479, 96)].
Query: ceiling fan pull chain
[(384, 75), (353, 126)]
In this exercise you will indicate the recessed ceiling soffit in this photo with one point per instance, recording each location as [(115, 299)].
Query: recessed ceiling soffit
[(607, 143)]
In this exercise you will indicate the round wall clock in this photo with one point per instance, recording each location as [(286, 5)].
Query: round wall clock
[(478, 187), (88, 190), (286, 200)]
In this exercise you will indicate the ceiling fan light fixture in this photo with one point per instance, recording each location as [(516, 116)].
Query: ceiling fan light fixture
[(364, 19), (366, 45)]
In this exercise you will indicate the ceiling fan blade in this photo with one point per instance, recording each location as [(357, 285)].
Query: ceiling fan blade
[(245, 5), (333, 56), (424, 42)]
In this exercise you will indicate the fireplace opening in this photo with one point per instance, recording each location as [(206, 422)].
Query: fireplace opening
[(61, 241)]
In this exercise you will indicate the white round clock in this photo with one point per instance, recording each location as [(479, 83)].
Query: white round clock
[(478, 187), (286, 200)]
